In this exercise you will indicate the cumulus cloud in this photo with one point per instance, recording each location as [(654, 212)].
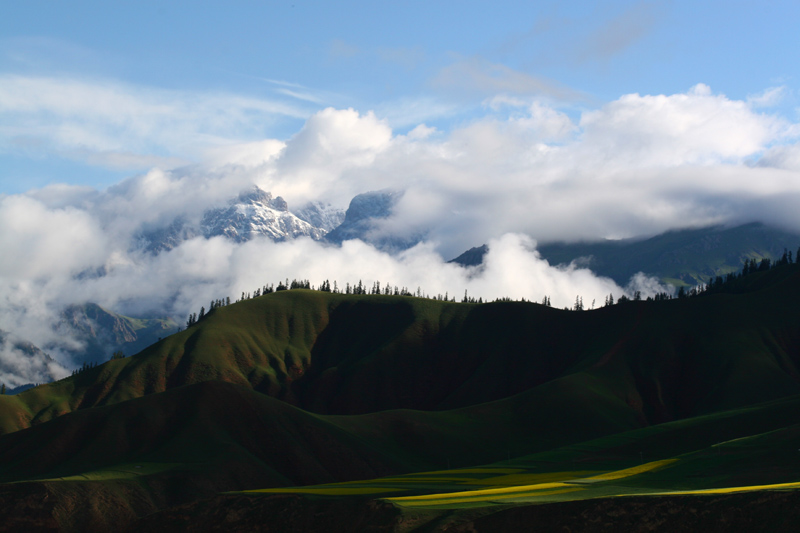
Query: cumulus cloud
[(697, 127), (331, 143), (528, 171)]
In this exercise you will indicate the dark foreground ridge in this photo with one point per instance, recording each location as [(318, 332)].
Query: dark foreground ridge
[(32, 510), (753, 511)]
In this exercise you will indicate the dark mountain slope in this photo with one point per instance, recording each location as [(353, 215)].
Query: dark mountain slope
[(130, 460), (681, 257), (111, 464)]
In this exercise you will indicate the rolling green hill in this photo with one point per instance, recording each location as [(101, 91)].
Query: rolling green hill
[(337, 354), (300, 388)]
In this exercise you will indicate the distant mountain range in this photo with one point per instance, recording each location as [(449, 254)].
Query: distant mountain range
[(681, 257), (256, 213)]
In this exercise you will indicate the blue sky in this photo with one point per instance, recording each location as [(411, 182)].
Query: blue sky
[(436, 63)]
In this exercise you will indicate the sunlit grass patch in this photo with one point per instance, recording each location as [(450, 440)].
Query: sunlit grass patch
[(481, 496), (728, 490), (529, 479), (627, 472), (481, 492)]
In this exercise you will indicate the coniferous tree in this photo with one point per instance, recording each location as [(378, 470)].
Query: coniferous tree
[(3, 389)]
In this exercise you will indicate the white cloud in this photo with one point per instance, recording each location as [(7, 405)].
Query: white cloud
[(38, 242), (697, 127), (413, 111), (768, 97), (331, 143), (785, 157), (19, 366)]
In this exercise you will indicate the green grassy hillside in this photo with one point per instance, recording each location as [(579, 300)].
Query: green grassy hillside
[(338, 354)]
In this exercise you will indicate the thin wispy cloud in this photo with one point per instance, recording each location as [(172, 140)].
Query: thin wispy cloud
[(305, 96), (618, 34), (408, 58), (114, 124), (339, 49), (769, 97), (477, 76)]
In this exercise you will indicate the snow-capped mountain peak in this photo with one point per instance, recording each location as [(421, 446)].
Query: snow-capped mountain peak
[(254, 213)]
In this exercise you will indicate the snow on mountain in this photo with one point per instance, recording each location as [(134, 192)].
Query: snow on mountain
[(255, 213)]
